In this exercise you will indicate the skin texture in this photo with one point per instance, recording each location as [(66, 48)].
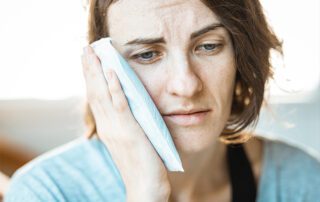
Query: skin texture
[(180, 73)]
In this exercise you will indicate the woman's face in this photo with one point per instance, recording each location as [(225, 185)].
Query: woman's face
[(185, 60)]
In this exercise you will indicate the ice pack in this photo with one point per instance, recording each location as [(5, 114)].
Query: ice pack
[(141, 105)]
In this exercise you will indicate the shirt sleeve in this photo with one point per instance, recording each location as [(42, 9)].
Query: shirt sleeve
[(31, 189)]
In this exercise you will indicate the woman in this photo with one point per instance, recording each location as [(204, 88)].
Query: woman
[(205, 65)]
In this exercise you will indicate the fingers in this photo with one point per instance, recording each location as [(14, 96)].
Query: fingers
[(106, 99), (119, 100), (97, 87)]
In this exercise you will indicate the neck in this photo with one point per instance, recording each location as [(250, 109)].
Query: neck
[(205, 171)]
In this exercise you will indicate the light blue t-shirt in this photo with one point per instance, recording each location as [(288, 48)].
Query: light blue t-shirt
[(84, 171)]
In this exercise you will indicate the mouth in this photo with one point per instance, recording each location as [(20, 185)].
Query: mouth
[(187, 119)]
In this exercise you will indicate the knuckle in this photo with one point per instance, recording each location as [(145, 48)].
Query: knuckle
[(121, 105), (96, 97), (86, 71), (113, 88), (100, 97), (89, 73), (94, 60)]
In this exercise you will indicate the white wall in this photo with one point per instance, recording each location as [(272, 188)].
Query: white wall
[(41, 124)]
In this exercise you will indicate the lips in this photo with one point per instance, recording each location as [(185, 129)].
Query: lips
[(186, 112), (187, 118)]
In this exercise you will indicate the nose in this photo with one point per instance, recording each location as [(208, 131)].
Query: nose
[(183, 80)]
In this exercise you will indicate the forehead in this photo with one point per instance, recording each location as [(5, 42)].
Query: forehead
[(151, 18)]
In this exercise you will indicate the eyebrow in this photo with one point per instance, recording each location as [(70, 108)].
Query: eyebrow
[(206, 29), (146, 41)]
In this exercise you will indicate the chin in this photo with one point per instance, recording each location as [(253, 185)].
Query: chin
[(190, 143)]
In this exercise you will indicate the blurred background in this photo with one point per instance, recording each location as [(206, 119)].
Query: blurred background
[(42, 90)]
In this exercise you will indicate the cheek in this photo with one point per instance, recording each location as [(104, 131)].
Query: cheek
[(220, 79), (225, 84), (218, 70)]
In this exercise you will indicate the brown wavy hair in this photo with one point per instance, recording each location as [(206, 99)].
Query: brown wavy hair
[(252, 40)]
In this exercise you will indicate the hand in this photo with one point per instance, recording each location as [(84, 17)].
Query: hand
[(142, 170)]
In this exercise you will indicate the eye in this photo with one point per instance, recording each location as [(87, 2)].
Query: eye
[(208, 48), (146, 57)]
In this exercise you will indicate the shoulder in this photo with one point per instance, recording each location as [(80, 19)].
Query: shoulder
[(292, 158), (78, 170), (290, 171)]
